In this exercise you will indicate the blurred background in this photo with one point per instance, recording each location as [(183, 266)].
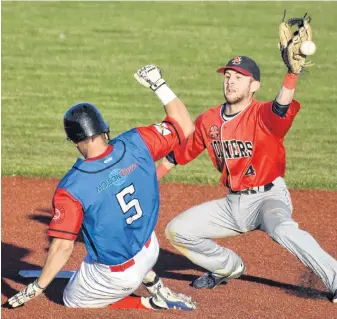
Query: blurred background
[(56, 54)]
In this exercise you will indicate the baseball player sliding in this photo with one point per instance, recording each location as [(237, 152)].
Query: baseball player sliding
[(244, 139), (112, 195)]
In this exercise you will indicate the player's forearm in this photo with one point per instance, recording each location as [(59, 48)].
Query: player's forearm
[(163, 168), (285, 95), (59, 252), (176, 109)]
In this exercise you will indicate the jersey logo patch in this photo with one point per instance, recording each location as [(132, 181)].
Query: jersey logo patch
[(214, 132), (250, 171), (58, 214), (162, 129), (117, 176)]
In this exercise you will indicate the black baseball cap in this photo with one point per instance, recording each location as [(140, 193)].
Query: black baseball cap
[(243, 65)]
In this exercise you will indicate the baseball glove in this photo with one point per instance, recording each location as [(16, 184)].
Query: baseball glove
[(290, 42)]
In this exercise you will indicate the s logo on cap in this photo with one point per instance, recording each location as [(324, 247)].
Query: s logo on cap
[(237, 60)]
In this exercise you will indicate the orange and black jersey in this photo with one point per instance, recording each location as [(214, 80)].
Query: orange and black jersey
[(247, 150)]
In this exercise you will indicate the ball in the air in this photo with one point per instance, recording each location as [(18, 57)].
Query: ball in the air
[(308, 48)]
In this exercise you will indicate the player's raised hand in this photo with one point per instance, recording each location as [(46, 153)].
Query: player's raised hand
[(31, 291), (150, 76), (291, 42)]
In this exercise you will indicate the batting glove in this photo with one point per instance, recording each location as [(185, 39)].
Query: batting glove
[(150, 76), (31, 291)]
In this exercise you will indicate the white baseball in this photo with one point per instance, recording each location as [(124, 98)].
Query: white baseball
[(308, 48)]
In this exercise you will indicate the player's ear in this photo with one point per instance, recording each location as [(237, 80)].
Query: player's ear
[(254, 86)]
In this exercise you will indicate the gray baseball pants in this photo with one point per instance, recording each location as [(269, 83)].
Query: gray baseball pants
[(271, 211)]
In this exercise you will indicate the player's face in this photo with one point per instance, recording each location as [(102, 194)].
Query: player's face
[(236, 86)]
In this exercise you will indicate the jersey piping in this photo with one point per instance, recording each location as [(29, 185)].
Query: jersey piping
[(103, 169), (223, 116)]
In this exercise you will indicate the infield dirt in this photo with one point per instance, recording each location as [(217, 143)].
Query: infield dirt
[(276, 284)]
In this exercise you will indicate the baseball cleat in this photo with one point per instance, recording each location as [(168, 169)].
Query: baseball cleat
[(211, 280), (166, 299), (334, 297)]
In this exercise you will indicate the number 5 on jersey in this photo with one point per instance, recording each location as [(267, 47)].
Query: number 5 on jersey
[(126, 206)]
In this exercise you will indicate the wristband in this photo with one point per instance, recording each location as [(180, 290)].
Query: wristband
[(37, 285), (290, 81), (171, 158), (165, 94)]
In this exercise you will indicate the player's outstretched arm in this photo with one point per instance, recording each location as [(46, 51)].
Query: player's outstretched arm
[(59, 252), (293, 46), (150, 76), (287, 91)]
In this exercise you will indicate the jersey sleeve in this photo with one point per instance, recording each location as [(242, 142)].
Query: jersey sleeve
[(67, 216), (278, 125), (191, 147), (162, 138)]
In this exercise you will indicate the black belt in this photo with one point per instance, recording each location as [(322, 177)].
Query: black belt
[(253, 190)]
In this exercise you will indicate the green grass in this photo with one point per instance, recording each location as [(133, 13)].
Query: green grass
[(57, 54)]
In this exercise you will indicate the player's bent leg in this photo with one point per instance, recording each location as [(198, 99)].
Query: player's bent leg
[(85, 292), (277, 222), (156, 288), (95, 285), (190, 233)]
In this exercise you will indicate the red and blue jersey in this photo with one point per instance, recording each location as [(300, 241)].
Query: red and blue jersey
[(114, 198)]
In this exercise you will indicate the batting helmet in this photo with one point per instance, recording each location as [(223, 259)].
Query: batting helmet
[(83, 120)]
